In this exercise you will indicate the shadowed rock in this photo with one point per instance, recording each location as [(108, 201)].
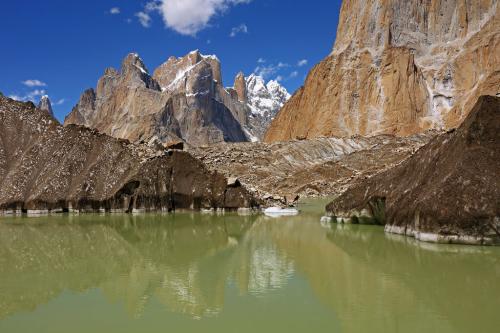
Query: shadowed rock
[(448, 191), (47, 167)]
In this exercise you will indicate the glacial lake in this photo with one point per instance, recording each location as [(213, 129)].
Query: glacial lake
[(190, 272)]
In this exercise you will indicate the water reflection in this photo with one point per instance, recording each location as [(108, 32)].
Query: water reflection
[(185, 262)]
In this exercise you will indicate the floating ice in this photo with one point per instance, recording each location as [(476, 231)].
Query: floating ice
[(278, 211)]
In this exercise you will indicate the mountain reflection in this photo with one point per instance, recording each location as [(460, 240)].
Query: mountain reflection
[(183, 261), (186, 262)]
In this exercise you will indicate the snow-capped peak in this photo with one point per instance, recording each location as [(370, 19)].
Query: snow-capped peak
[(207, 56), (265, 99)]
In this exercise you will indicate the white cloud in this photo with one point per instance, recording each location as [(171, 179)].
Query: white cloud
[(60, 102), (302, 62), (242, 28), (34, 83), (188, 17), (266, 71), (144, 19), (16, 97), (30, 96), (115, 11)]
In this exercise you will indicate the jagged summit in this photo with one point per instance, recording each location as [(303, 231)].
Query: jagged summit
[(46, 105), (184, 99), (265, 99), (174, 72)]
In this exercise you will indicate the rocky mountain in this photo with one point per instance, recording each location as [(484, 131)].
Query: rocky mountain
[(398, 67), (45, 105), (47, 167), (448, 191), (184, 99)]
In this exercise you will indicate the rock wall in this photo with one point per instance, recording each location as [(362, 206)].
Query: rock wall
[(398, 67), (47, 167)]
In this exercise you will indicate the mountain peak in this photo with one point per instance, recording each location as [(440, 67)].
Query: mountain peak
[(132, 60), (175, 70), (265, 99), (45, 105)]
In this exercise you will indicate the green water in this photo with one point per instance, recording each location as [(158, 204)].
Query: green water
[(204, 273)]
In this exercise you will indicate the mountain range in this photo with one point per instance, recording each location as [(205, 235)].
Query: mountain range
[(184, 99)]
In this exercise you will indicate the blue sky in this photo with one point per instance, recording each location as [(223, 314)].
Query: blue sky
[(61, 47)]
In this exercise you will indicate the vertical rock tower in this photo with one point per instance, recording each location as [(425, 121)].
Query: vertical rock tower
[(398, 67)]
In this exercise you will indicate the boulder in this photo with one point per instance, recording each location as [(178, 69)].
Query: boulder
[(448, 191)]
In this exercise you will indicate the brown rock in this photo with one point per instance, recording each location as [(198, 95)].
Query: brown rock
[(184, 100), (240, 86), (323, 166), (448, 191), (45, 166), (174, 145)]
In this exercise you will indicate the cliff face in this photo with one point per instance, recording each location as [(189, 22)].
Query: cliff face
[(398, 67), (449, 191), (45, 166)]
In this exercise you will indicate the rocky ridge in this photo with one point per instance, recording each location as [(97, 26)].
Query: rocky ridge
[(398, 67), (447, 192), (47, 167), (184, 100)]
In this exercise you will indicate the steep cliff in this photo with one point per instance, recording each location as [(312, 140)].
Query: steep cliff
[(398, 67), (45, 166), (448, 191)]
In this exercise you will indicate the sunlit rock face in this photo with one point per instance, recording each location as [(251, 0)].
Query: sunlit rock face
[(183, 100), (398, 67)]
